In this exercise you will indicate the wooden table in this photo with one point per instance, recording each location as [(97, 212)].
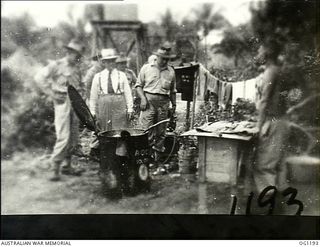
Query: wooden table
[(220, 155)]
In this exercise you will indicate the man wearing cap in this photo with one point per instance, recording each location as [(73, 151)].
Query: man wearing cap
[(122, 65), (96, 67), (152, 59), (111, 97), (56, 77), (156, 87)]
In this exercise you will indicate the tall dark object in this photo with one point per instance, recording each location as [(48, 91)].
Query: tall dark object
[(186, 77)]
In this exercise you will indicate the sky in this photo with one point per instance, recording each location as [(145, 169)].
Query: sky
[(49, 13)]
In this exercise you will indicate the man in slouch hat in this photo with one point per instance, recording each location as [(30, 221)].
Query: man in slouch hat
[(56, 77), (156, 87)]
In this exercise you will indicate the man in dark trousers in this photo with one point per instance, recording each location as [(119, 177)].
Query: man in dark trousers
[(274, 129), (156, 87)]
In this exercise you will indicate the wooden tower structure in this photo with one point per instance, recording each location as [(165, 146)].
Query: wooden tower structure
[(102, 37)]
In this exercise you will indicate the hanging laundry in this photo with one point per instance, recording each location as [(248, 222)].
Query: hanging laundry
[(216, 86), (238, 91), (207, 82), (212, 83), (225, 95), (221, 93), (227, 100), (250, 89), (203, 81)]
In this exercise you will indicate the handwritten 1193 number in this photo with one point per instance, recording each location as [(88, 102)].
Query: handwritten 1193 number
[(271, 192)]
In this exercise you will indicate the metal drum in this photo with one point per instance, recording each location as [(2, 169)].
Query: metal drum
[(124, 161), (124, 154)]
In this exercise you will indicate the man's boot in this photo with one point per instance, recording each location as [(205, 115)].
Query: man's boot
[(56, 172), (67, 169), (157, 162)]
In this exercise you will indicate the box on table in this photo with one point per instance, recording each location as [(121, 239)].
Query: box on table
[(220, 156)]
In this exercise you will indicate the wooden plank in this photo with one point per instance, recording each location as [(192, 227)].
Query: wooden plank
[(130, 47), (118, 26), (221, 160), (202, 159), (216, 135), (249, 158), (234, 153), (218, 159), (240, 160), (104, 22)]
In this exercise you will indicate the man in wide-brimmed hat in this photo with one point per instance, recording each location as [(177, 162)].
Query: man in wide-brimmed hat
[(55, 78), (156, 87), (110, 97)]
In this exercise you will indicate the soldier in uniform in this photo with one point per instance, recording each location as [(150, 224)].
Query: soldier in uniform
[(122, 65), (56, 77), (122, 62), (274, 129)]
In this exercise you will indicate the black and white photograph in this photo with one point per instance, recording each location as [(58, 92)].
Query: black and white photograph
[(160, 107)]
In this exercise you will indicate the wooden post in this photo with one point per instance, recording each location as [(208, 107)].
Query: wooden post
[(100, 38), (141, 46), (197, 82), (138, 59), (196, 57), (194, 99), (202, 198), (94, 42), (202, 158), (102, 34), (146, 45), (188, 116), (105, 38), (235, 145)]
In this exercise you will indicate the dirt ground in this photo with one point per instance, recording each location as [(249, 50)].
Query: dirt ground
[(26, 190)]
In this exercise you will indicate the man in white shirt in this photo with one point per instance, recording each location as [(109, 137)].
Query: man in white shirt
[(111, 98)]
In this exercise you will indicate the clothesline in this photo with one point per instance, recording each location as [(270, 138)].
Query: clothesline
[(227, 92)]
